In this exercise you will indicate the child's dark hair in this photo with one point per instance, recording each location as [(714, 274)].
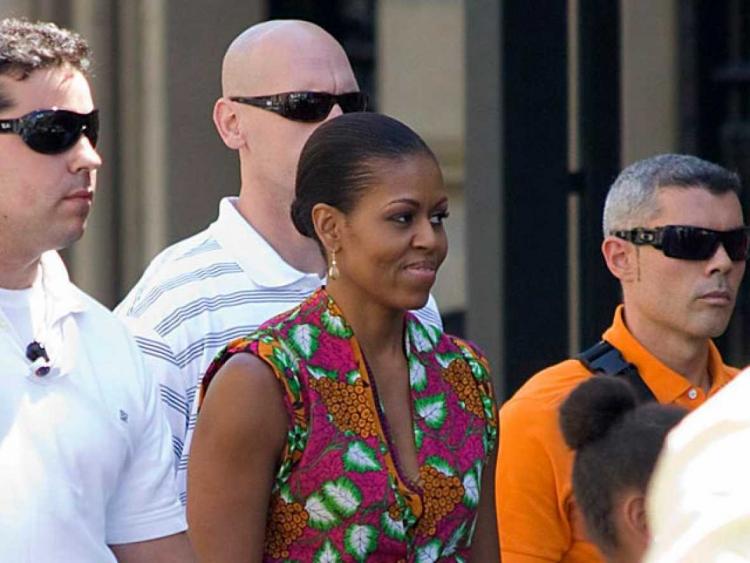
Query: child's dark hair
[(617, 442), (336, 162)]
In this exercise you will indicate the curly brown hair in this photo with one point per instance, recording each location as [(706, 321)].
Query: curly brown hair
[(29, 46)]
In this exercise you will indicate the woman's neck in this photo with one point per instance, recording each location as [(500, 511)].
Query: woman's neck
[(379, 330)]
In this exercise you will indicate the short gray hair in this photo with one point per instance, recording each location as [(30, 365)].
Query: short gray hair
[(631, 199)]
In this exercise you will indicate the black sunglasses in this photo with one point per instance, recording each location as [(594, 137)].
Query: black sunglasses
[(306, 106), (691, 243), (53, 131)]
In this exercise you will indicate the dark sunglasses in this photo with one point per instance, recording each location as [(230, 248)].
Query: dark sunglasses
[(53, 131), (691, 243), (306, 106)]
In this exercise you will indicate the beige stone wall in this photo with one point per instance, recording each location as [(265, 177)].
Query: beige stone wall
[(649, 78), (421, 81), (165, 169)]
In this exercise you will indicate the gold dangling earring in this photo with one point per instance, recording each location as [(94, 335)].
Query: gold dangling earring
[(333, 269)]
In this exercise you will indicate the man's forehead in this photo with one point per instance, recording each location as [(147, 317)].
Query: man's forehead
[(46, 87), (305, 71), (695, 205)]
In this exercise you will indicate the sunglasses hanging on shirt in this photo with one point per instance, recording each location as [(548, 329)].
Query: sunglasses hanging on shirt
[(53, 131), (691, 243), (309, 107)]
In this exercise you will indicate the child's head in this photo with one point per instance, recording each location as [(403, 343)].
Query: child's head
[(617, 442)]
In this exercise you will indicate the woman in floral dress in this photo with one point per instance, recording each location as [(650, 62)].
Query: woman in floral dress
[(345, 429)]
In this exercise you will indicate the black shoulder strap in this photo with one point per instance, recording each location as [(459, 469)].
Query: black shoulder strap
[(603, 358)]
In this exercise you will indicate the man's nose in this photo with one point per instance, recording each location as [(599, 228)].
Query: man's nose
[(84, 156), (335, 112), (720, 261)]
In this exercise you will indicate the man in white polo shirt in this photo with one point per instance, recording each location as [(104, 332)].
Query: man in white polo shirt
[(85, 468), (280, 80)]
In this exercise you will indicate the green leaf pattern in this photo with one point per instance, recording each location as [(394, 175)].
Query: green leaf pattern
[(447, 359), (393, 528), (441, 465), (353, 376), (419, 337), (360, 541), (327, 554), (361, 458), (335, 325), (304, 339), (471, 489), (432, 409), (319, 373), (418, 437), (429, 552), (342, 496), (417, 374), (452, 544), (320, 516)]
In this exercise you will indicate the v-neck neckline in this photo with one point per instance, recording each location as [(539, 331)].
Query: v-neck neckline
[(383, 426)]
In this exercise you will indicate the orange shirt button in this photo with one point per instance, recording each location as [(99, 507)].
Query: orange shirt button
[(693, 394)]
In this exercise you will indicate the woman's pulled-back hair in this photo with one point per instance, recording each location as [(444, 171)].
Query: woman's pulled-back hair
[(617, 442), (337, 161)]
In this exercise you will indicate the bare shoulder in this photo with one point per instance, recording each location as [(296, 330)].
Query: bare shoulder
[(244, 377)]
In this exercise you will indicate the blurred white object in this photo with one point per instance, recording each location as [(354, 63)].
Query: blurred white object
[(699, 497)]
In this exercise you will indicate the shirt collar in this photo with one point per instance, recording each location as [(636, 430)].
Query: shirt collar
[(258, 259), (64, 296), (666, 384)]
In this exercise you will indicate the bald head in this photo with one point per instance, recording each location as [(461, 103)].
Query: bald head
[(283, 56)]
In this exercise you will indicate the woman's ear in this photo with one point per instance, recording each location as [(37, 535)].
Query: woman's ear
[(328, 222), (228, 124), (621, 258)]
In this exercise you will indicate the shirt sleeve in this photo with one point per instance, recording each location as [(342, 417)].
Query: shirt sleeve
[(178, 387), (533, 519), (145, 505)]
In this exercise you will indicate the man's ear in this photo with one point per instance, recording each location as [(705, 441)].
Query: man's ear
[(621, 258), (328, 222), (228, 124)]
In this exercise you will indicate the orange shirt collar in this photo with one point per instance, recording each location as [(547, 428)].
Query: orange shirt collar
[(666, 384)]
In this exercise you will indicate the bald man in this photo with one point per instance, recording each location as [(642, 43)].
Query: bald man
[(280, 80)]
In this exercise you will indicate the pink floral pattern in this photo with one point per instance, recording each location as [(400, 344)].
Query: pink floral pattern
[(339, 493)]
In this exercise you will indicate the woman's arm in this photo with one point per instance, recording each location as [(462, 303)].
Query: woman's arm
[(239, 437), (485, 546)]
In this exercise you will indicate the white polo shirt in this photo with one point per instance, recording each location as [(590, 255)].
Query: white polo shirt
[(699, 497), (85, 457), (201, 293)]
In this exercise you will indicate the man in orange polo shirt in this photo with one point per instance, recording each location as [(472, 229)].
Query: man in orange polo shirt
[(674, 236)]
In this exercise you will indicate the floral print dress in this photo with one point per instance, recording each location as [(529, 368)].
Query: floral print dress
[(340, 493)]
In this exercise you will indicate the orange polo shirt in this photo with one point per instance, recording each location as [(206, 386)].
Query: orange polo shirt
[(537, 517)]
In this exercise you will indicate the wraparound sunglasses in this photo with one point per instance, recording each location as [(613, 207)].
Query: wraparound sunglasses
[(691, 243), (306, 106), (53, 131)]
